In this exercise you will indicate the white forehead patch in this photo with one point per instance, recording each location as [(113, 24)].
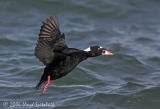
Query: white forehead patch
[(88, 49), (100, 47)]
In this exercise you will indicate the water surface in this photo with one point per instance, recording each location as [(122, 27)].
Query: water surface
[(128, 80)]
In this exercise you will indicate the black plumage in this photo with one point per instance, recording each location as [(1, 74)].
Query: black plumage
[(52, 50)]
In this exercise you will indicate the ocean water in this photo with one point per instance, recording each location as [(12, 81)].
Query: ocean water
[(128, 80)]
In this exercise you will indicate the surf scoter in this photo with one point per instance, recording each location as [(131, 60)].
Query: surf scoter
[(57, 57)]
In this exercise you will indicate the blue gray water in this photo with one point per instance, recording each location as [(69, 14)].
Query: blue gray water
[(128, 80)]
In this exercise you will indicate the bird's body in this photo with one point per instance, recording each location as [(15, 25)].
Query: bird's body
[(58, 58), (64, 64)]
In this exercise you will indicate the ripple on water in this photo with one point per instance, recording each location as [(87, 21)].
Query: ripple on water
[(12, 43), (144, 40), (154, 62)]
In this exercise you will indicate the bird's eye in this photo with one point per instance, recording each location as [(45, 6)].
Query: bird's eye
[(103, 51)]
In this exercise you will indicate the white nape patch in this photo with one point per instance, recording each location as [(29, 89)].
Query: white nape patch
[(88, 49)]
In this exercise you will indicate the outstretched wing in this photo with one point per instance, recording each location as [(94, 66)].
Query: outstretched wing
[(50, 40)]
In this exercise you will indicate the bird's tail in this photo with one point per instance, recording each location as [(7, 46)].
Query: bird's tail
[(42, 81), (39, 85)]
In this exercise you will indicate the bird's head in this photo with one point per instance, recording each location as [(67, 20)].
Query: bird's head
[(98, 50)]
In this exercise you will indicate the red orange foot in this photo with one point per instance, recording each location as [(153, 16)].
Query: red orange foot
[(46, 86)]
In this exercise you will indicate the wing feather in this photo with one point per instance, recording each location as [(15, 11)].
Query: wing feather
[(50, 39)]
